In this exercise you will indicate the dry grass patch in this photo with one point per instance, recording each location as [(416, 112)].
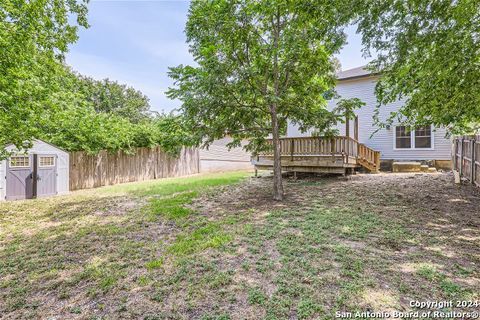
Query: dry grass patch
[(211, 248)]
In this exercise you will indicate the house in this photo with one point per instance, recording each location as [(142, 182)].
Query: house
[(394, 143), (219, 158), (41, 171)]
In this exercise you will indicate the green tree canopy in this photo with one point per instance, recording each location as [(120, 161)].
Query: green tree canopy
[(97, 115), (109, 96), (429, 55), (260, 63), (42, 98), (33, 37), (75, 128)]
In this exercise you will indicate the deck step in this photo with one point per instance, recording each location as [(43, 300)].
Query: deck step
[(407, 166), (424, 168), (368, 165)]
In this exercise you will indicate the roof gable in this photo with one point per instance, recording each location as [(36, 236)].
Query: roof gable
[(38, 141)]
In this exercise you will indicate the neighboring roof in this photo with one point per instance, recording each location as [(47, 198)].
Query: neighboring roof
[(354, 73)]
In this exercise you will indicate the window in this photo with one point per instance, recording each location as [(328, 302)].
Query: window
[(420, 138), (19, 162), (403, 138), (423, 137), (47, 161)]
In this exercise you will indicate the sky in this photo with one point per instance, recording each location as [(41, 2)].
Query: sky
[(134, 42)]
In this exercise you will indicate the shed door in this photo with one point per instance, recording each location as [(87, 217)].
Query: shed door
[(19, 177), (46, 172)]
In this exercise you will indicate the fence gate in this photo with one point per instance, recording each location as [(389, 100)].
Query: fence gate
[(466, 158), (20, 177)]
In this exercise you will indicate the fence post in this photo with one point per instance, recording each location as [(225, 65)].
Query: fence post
[(472, 170), (454, 153), (460, 170)]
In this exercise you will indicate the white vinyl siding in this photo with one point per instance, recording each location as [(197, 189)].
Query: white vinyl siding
[(381, 139), (219, 158)]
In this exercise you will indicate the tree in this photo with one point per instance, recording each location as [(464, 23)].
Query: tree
[(337, 65), (33, 37), (109, 96), (104, 115), (260, 63), (81, 128), (428, 54), (172, 133)]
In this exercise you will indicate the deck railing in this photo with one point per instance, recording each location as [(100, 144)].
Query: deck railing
[(323, 146), (369, 155)]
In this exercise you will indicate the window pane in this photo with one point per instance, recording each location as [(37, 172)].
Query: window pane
[(423, 137), (403, 143), (423, 142), (47, 161), (403, 138), (19, 161)]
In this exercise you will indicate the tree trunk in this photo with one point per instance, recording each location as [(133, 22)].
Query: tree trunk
[(277, 165)]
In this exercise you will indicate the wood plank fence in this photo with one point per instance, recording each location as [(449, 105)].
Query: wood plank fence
[(466, 158), (91, 171)]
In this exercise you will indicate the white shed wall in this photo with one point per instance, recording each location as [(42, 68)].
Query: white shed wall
[(3, 180), (382, 140), (40, 147)]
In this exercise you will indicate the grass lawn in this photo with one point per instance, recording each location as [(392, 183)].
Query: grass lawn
[(216, 247)]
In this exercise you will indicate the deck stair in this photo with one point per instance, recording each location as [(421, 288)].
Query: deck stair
[(412, 166), (338, 154)]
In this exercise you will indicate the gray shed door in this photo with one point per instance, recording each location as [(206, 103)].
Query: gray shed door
[(19, 177), (46, 175)]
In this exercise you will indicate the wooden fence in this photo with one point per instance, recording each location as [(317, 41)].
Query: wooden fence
[(91, 171), (466, 157)]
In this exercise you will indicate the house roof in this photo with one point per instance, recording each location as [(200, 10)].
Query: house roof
[(358, 72)]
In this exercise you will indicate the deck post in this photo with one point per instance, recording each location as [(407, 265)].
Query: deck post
[(355, 128), (292, 148), (347, 133), (377, 160)]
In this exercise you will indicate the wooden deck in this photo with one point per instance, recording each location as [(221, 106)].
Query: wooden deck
[(320, 154)]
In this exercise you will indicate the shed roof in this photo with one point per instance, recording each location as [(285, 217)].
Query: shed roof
[(38, 140)]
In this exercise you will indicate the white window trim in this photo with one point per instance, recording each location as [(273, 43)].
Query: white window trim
[(19, 155), (49, 166), (412, 139)]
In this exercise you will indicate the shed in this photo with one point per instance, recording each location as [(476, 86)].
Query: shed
[(41, 171)]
